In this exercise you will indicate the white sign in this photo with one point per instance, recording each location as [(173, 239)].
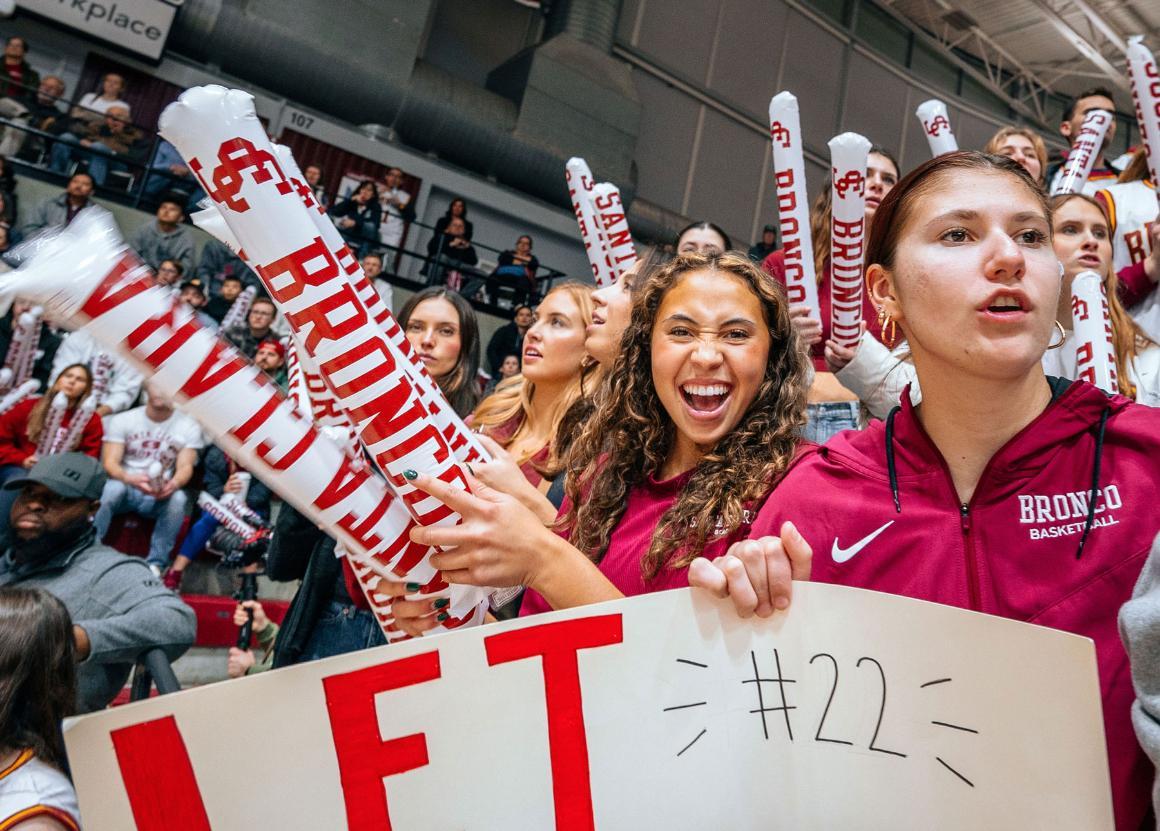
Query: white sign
[(854, 710), (140, 26)]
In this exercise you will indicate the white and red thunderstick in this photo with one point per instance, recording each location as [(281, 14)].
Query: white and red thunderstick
[(1084, 152), (580, 186), (614, 221), (218, 133), (1095, 351), (937, 126), (86, 275), (1145, 78), (848, 155), (793, 207)]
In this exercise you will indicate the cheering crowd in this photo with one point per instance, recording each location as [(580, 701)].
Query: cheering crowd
[(683, 425)]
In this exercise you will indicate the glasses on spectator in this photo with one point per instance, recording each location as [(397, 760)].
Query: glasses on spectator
[(167, 269)]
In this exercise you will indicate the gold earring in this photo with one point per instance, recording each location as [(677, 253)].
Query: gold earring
[(883, 320), (1062, 337)]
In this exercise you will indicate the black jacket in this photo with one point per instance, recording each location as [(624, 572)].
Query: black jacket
[(507, 340)]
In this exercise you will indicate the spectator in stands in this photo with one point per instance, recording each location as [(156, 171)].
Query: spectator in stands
[(516, 268), (457, 208), (247, 336), (1022, 145), (7, 215), (47, 345), (38, 689), (265, 631), (43, 113), (358, 217), (137, 443), (313, 174), (20, 78), (101, 145), (124, 383), (165, 237), (451, 251), (765, 246), (217, 261), (93, 105), (193, 295), (509, 338), (223, 301), (271, 359), (703, 238), (23, 426), (372, 265), (169, 273), (444, 332), (61, 210), (1103, 174), (119, 609), (507, 369), (168, 173), (220, 478), (397, 211), (6, 235)]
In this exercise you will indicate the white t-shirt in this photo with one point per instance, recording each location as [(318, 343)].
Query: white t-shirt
[(93, 101), (392, 227), (30, 788), (147, 441)]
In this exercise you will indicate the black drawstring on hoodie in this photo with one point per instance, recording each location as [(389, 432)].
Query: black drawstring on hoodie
[(1095, 491), (890, 459)]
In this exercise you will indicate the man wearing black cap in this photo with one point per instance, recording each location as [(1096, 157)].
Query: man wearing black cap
[(768, 244), (193, 295), (118, 607)]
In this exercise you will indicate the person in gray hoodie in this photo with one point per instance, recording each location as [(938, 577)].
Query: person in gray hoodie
[(165, 238), (60, 210), (1140, 631), (118, 607)]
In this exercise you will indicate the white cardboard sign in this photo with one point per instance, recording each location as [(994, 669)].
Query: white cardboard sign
[(854, 710), (140, 26)]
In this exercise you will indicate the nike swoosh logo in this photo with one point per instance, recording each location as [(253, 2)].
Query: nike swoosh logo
[(841, 555)]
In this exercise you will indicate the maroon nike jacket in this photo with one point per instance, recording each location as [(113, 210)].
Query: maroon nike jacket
[(880, 511)]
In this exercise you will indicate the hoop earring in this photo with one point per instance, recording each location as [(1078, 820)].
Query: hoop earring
[(883, 320), (1062, 337)]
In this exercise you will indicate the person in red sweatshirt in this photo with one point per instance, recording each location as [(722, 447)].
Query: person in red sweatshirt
[(698, 418), (1005, 491)]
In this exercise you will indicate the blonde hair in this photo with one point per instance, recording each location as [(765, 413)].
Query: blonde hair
[(514, 395), (1036, 140)]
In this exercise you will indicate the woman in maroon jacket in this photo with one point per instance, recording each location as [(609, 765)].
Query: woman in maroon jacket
[(1005, 491)]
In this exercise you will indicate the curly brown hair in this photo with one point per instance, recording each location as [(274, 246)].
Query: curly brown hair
[(630, 434)]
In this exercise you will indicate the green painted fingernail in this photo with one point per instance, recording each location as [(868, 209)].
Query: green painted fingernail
[(442, 603), (442, 616), (414, 587), (410, 474)]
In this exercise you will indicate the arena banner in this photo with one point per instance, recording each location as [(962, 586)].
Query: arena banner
[(853, 710), (141, 26)]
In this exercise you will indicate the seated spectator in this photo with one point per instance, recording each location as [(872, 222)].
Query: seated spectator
[(765, 246), (124, 383), (47, 345), (457, 208), (118, 608), (313, 174), (516, 269), (223, 301), (101, 144), (7, 215), (168, 173), (20, 79), (372, 265), (44, 113), (220, 478), (93, 105), (61, 210), (509, 338), (509, 368), (193, 295), (271, 359), (265, 630), (169, 273), (6, 245), (165, 237), (134, 441), (247, 336), (449, 255), (217, 261), (37, 690), (358, 217), (397, 211)]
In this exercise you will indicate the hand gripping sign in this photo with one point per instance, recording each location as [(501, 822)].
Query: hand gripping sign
[(1084, 152), (218, 133), (793, 207), (85, 274), (937, 126), (580, 186), (1095, 351), (848, 155), (1145, 78), (613, 218)]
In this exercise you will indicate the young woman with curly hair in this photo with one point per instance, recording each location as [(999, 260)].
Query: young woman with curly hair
[(696, 422)]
